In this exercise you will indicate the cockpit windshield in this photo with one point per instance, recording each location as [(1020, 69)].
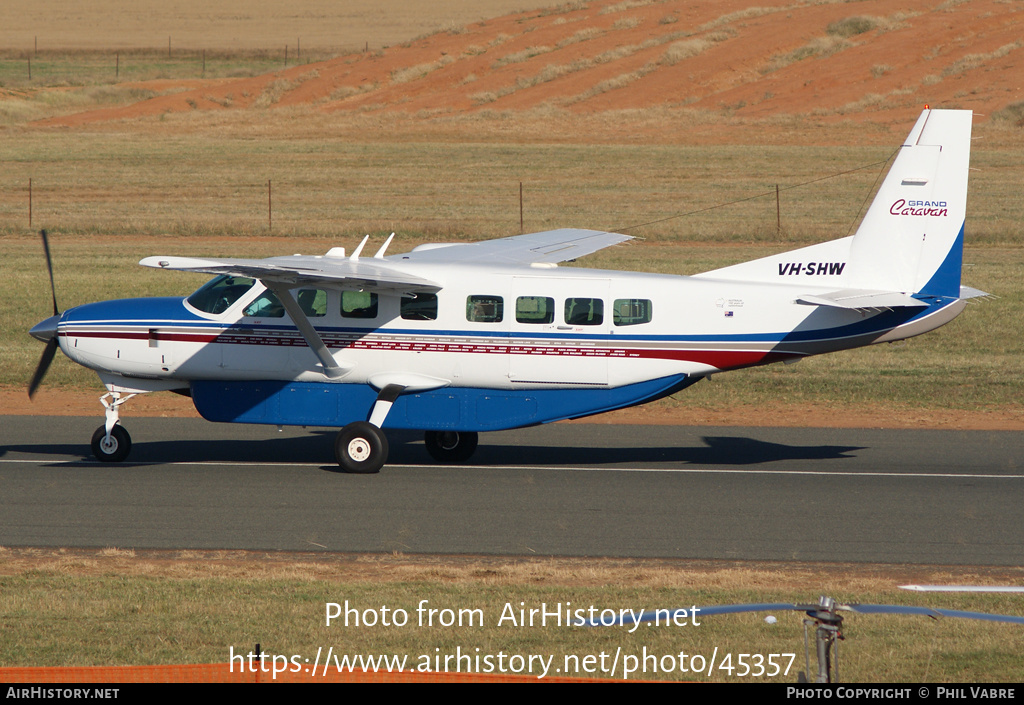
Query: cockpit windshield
[(217, 295)]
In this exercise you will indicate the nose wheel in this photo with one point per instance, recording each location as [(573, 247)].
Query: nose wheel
[(112, 449)]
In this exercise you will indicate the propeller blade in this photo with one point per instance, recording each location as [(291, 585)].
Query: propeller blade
[(44, 331), (49, 267), (44, 365)]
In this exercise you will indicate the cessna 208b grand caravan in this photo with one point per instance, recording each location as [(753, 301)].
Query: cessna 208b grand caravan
[(454, 339)]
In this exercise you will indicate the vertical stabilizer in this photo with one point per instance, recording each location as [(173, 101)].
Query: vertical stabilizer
[(911, 239)]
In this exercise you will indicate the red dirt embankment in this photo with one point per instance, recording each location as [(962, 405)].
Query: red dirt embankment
[(876, 60)]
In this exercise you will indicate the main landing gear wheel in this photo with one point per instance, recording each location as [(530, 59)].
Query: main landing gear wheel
[(112, 450), (451, 446), (361, 447)]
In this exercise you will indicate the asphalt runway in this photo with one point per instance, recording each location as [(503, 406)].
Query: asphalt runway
[(885, 496)]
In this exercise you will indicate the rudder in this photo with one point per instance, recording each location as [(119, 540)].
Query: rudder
[(911, 238)]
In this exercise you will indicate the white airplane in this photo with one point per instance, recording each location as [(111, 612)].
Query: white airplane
[(454, 339)]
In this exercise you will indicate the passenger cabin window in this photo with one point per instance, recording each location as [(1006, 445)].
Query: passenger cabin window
[(358, 304), (584, 312), (535, 309), (266, 305), (419, 307), (631, 312), (219, 294), (485, 309), (313, 302)]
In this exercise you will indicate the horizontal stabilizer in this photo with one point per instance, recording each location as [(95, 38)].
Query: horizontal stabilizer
[(862, 300), (969, 292)]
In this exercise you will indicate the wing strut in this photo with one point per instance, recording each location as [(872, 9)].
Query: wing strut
[(301, 321)]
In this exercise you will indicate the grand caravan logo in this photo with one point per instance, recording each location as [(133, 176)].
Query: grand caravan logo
[(918, 208)]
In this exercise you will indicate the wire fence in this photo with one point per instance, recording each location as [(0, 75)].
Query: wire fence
[(35, 67)]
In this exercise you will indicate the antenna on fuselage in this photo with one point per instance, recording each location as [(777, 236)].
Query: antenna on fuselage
[(359, 250), (380, 252)]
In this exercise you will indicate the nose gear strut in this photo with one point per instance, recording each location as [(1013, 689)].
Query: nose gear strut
[(111, 442)]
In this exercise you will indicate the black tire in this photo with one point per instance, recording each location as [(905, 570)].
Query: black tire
[(116, 450), (361, 448), (451, 446)]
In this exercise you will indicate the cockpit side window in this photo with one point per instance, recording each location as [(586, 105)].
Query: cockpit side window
[(219, 294)]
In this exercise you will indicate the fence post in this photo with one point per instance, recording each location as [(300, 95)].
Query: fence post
[(778, 212)]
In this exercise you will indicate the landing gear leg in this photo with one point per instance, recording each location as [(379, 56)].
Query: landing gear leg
[(361, 447), (111, 442)]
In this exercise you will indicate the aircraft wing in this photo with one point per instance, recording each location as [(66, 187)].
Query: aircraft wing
[(371, 274), (862, 299), (550, 246)]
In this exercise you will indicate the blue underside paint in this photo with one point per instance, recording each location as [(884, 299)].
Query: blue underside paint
[(448, 409)]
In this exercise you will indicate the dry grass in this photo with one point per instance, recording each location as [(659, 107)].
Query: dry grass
[(239, 24), (973, 61), (817, 48), (852, 26), (119, 607), (686, 49)]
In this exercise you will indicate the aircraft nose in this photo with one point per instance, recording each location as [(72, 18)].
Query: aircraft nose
[(45, 331)]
